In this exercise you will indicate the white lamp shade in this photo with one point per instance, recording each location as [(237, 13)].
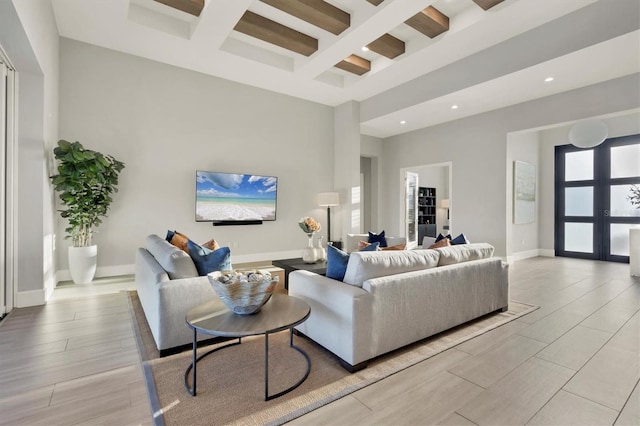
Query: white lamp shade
[(444, 204), (588, 133), (328, 199)]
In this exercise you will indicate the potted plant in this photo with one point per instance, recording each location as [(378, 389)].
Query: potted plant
[(634, 196), (85, 181)]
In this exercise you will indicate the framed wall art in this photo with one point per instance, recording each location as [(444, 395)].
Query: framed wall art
[(524, 192)]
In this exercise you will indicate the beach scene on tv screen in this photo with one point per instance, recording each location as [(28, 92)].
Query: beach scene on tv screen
[(227, 196)]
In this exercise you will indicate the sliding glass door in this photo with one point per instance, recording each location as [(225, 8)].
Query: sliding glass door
[(7, 102), (593, 211)]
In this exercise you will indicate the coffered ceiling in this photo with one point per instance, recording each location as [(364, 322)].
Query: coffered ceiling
[(404, 60)]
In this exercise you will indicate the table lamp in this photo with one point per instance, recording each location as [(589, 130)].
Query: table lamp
[(328, 200)]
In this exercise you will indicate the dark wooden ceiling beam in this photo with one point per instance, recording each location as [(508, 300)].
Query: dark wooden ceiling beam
[(430, 22), (375, 2), (388, 46), (193, 7), (316, 12), (487, 4), (355, 64), (272, 32)]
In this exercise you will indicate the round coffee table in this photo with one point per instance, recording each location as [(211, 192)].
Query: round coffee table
[(279, 313)]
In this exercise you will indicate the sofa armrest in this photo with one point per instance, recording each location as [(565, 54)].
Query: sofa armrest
[(340, 317), (166, 302)]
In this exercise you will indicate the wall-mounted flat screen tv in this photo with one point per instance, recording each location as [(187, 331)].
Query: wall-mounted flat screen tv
[(235, 197)]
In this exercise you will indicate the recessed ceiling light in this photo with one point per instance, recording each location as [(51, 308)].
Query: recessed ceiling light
[(403, 122), (454, 106), (365, 49), (548, 79)]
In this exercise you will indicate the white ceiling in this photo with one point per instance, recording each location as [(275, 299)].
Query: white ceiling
[(487, 59)]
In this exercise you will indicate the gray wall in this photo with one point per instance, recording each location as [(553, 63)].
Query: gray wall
[(371, 148), (165, 123), (366, 193), (28, 34), (477, 148), (522, 146)]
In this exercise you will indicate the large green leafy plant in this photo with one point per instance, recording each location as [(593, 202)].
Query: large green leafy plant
[(85, 181)]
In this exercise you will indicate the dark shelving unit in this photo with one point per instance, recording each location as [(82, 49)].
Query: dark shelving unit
[(426, 212)]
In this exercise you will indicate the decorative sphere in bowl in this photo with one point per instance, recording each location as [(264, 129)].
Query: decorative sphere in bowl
[(244, 293)]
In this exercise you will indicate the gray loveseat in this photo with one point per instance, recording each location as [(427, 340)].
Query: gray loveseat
[(390, 299), (168, 286)]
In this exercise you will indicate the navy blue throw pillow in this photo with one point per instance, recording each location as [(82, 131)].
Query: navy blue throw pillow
[(378, 238), (460, 239), (170, 235), (441, 237), (336, 263), (207, 260)]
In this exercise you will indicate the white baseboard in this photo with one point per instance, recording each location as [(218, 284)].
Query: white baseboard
[(30, 298), (547, 253), (114, 271), (101, 271), (521, 255)]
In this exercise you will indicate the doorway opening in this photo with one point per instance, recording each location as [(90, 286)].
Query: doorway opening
[(437, 177)]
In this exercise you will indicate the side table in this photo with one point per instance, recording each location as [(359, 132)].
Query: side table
[(296, 264)]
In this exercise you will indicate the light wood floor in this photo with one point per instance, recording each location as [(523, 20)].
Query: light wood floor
[(576, 360)]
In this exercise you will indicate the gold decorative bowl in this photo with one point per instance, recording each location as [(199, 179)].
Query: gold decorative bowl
[(243, 293)]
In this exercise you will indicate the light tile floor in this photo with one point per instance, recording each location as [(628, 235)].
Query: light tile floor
[(573, 361)]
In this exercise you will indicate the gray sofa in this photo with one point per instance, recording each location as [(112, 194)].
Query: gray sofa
[(168, 286), (390, 299)]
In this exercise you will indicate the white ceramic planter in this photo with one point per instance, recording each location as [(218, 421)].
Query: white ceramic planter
[(82, 263), (634, 251)]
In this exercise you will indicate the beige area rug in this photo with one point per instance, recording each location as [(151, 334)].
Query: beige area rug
[(230, 384)]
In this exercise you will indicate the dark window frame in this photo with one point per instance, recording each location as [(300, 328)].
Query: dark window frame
[(601, 184)]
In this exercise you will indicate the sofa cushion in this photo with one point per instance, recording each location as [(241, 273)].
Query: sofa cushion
[(354, 239), (337, 260), (180, 240), (207, 261), (427, 241), (464, 253), (211, 245), (402, 246), (445, 242), (366, 265), (174, 261), (336, 263), (362, 244), (177, 239), (365, 246), (441, 237)]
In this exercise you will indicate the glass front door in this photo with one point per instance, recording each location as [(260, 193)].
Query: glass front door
[(593, 210)]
